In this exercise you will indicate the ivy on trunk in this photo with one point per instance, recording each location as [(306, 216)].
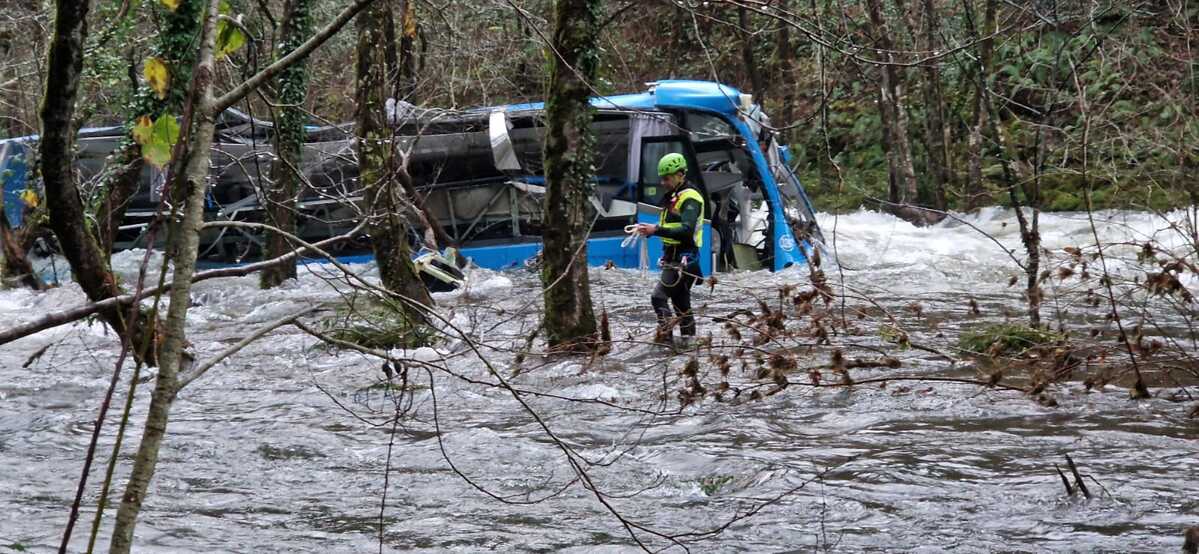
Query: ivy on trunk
[(286, 176), (569, 168)]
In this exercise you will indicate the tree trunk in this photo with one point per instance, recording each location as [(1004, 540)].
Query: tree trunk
[(191, 183), (976, 194), (378, 164), (89, 264), (1030, 235), (286, 168), (569, 152), (406, 69), (786, 72), (400, 61), (894, 116), (14, 264), (938, 142), (677, 37), (821, 60), (10, 96), (176, 48), (937, 157), (747, 55)]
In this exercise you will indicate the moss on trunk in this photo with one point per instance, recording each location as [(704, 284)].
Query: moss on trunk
[(378, 163), (291, 91), (569, 151)]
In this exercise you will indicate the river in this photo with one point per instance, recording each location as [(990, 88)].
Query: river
[(283, 447)]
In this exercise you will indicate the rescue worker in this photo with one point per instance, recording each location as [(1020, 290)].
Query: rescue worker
[(680, 224)]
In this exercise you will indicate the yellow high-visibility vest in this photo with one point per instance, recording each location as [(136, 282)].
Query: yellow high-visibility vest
[(675, 212)]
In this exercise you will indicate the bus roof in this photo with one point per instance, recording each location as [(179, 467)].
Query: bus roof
[(702, 95)]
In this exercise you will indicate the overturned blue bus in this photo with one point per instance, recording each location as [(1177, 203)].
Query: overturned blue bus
[(479, 174)]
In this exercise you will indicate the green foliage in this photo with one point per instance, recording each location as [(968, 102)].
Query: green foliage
[(1141, 128), (712, 484), (1006, 339), (175, 48), (1062, 201), (229, 36)]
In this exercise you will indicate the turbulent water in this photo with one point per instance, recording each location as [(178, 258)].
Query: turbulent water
[(284, 447)]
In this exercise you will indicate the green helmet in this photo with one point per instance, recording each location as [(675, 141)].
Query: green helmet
[(671, 163)]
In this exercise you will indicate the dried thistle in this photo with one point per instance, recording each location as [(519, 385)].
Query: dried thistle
[(722, 364), (605, 345), (1147, 253), (780, 379), (995, 377), (916, 309), (785, 291), (782, 362), (766, 311), (732, 331)]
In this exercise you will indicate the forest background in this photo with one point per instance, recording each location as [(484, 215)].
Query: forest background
[(879, 100)]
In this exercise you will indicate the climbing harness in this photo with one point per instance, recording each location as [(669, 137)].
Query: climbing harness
[(680, 268)]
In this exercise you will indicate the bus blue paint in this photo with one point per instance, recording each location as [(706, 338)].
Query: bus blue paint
[(677, 94), (786, 249)]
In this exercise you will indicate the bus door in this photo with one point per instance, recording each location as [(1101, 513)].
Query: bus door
[(650, 192)]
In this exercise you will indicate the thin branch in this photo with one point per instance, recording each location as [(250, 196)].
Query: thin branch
[(249, 85), (187, 377), (64, 317)]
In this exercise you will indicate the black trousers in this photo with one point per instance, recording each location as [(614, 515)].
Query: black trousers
[(674, 287)]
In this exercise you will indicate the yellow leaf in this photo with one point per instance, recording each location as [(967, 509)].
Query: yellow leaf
[(143, 129), (157, 76), (170, 4), (163, 136), (410, 21), (29, 197)]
